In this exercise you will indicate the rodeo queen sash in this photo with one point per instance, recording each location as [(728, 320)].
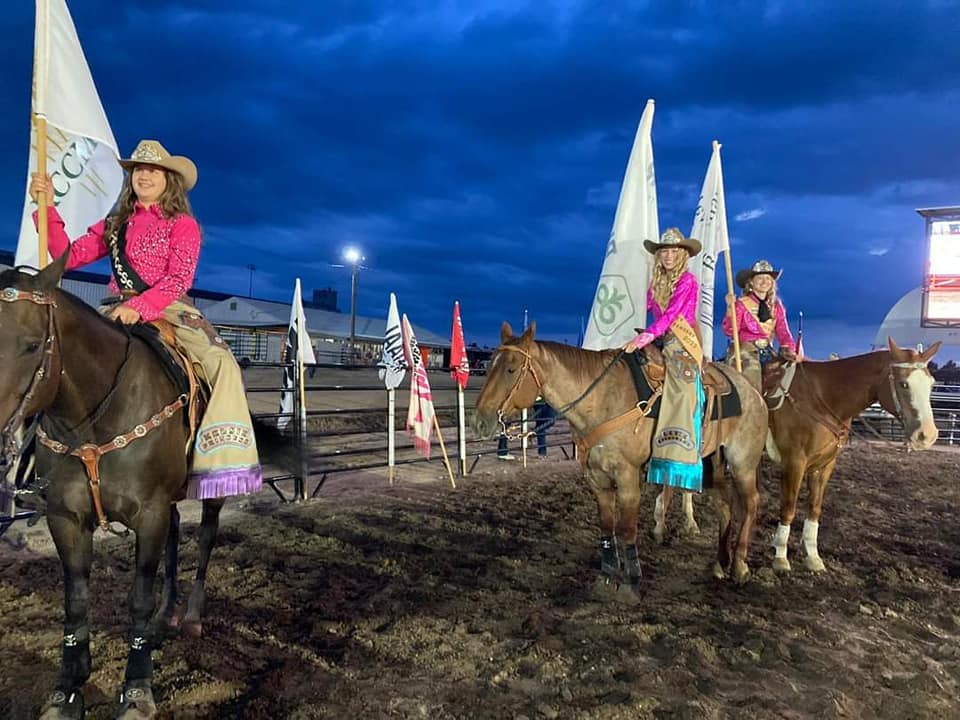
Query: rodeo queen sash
[(127, 278), (675, 456)]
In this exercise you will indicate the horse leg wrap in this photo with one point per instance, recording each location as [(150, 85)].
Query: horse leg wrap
[(139, 663), (609, 561), (780, 541), (810, 531), (631, 564), (75, 666)]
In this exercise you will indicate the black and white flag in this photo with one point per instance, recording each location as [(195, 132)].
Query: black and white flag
[(297, 346), (393, 364)]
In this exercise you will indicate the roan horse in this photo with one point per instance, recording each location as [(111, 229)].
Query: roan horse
[(810, 418), (95, 384), (590, 388)]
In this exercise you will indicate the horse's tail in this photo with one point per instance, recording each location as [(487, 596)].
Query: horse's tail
[(277, 448)]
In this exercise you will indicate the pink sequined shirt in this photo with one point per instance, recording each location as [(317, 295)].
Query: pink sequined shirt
[(683, 303), (163, 251)]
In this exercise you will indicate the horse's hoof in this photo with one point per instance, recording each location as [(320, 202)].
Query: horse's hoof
[(628, 593), (63, 706), (136, 703), (814, 564), (605, 588), (659, 536), (717, 571), (741, 573), (781, 564), (691, 529)]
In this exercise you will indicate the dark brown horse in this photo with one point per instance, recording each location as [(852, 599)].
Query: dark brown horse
[(567, 378), (96, 384), (812, 405)]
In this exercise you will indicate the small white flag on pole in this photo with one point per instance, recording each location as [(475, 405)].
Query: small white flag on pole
[(393, 364), (81, 150), (710, 228), (298, 351), (620, 303)]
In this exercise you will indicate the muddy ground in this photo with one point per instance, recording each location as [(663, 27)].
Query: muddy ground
[(419, 601)]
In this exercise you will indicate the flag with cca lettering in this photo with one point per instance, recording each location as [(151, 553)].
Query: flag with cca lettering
[(459, 362), (710, 228), (420, 411), (297, 346), (620, 303), (81, 150), (393, 364)]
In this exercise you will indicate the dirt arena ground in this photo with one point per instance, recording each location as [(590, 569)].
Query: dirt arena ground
[(420, 601)]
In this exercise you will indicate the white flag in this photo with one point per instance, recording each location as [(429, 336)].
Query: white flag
[(393, 364), (81, 150), (710, 228), (420, 410), (297, 346), (620, 304)]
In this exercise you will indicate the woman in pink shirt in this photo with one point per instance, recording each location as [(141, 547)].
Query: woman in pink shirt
[(761, 317), (153, 243), (672, 299)]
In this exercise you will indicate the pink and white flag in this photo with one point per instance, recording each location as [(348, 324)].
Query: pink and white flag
[(420, 413)]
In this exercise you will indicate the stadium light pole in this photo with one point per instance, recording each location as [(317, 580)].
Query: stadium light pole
[(353, 258), (251, 268)]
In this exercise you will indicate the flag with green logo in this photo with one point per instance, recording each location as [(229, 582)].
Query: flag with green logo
[(620, 303)]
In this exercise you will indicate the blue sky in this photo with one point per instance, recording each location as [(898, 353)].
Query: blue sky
[(474, 151)]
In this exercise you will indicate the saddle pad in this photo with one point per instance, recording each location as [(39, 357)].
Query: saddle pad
[(726, 405)]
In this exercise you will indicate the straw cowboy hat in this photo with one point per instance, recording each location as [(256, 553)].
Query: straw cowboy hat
[(672, 237), (150, 152), (760, 267)]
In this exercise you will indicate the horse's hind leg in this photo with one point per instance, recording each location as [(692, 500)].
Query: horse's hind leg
[(748, 497), (75, 546), (136, 699), (690, 526), (628, 504), (660, 510), (193, 619), (164, 618), (721, 493), (606, 498), (817, 486)]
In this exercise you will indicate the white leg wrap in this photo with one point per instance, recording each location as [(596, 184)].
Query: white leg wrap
[(810, 530), (658, 510), (780, 541), (688, 508)]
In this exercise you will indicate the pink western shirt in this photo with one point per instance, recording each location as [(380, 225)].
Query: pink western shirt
[(749, 329), (683, 303), (163, 251)]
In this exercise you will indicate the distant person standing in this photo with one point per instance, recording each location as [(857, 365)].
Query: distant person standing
[(543, 416), (761, 317)]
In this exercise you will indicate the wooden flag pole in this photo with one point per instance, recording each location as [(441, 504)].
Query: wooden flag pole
[(42, 200), (446, 460), (732, 308)]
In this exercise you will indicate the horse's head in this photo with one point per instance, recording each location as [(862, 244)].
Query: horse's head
[(29, 358), (906, 393), (512, 383)]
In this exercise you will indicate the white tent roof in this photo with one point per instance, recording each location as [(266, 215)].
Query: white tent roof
[(902, 323), (247, 312)]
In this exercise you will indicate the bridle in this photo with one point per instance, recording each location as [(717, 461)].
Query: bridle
[(911, 366), (11, 448)]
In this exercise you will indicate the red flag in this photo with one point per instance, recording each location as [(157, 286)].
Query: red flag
[(459, 363), (420, 411)]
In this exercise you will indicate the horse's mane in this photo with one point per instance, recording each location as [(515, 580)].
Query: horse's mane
[(588, 364)]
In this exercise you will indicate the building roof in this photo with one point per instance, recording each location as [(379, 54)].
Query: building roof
[(232, 310), (249, 312), (939, 212)]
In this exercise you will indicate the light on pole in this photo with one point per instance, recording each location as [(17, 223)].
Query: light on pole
[(251, 268), (353, 258)]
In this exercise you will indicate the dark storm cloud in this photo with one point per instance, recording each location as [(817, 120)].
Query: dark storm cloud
[(476, 151)]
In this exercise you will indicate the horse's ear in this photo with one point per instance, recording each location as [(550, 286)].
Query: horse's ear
[(506, 332), (48, 278), (891, 343), (930, 352), (529, 333)]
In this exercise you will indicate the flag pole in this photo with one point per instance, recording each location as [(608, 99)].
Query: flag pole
[(461, 419), (42, 200), (446, 460), (732, 308), (391, 432), (301, 390)]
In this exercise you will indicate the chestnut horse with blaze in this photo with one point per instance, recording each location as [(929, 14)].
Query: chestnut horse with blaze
[(591, 388), (812, 405)]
